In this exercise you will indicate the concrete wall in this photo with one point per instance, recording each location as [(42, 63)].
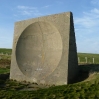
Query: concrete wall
[(41, 50)]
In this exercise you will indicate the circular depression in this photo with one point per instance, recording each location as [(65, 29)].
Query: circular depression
[(39, 50)]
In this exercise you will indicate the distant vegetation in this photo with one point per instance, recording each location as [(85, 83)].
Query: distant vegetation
[(4, 51), (5, 57), (86, 87)]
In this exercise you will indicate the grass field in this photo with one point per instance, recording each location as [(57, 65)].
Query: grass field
[(4, 51), (88, 88), (89, 58), (5, 57)]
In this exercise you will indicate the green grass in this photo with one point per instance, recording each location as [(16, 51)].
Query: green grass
[(89, 58), (84, 90), (4, 51), (4, 70)]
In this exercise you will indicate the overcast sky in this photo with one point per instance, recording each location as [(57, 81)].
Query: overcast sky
[(85, 13)]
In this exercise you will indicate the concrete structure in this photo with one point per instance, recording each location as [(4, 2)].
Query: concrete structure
[(44, 50)]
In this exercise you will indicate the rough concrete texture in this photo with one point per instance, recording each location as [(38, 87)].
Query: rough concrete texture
[(44, 50)]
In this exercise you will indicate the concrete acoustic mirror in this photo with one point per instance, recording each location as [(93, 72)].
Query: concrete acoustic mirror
[(44, 50)]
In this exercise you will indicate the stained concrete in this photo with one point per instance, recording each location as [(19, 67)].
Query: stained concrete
[(44, 50)]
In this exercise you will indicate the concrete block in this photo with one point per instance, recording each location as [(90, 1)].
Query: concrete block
[(44, 50)]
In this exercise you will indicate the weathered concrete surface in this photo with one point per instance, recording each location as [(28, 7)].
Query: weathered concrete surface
[(44, 50)]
